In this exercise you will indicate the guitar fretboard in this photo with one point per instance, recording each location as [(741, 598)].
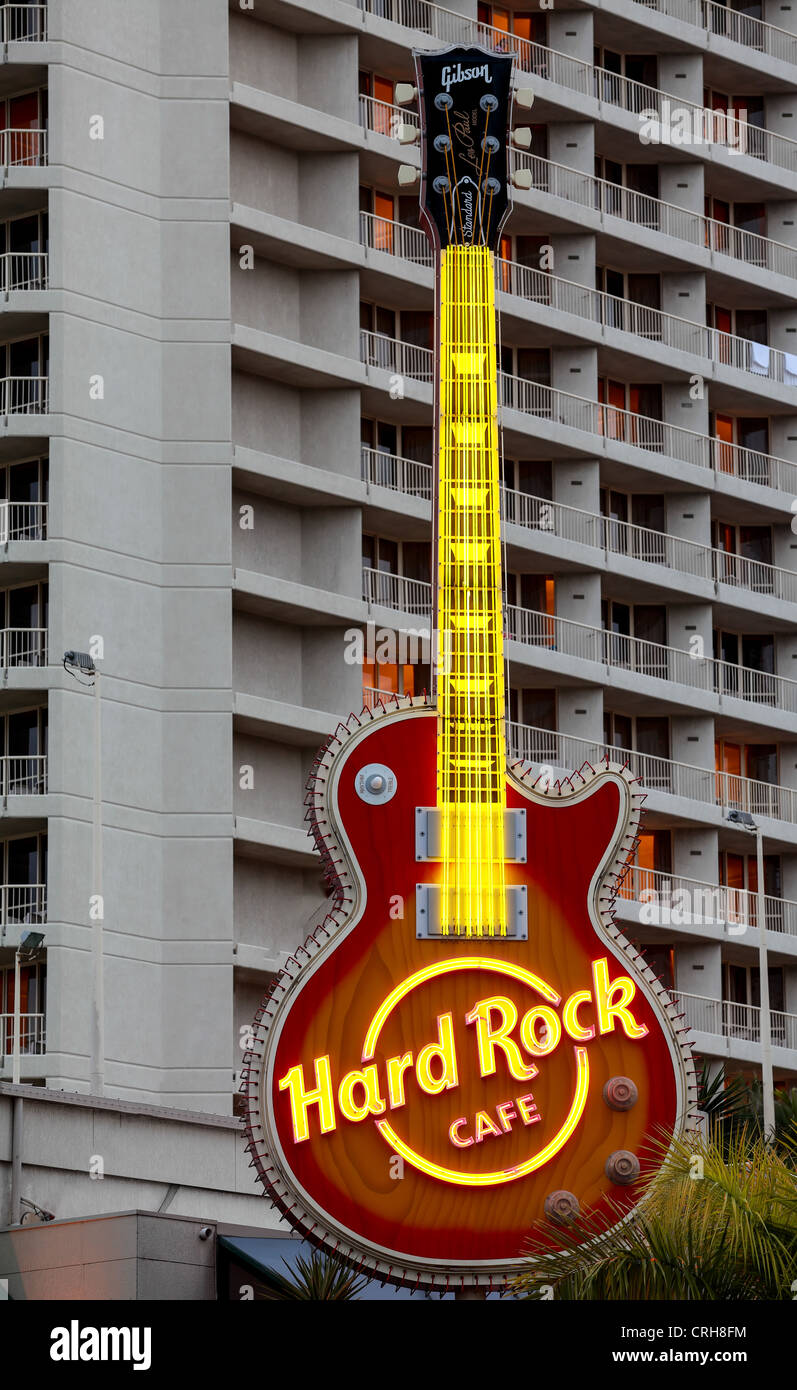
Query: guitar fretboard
[(471, 745)]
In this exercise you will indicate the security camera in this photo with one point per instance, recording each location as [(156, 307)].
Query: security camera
[(205, 1232)]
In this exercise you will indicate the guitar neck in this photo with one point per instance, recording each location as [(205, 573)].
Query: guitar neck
[(469, 615)]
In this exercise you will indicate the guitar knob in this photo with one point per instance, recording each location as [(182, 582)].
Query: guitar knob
[(375, 784), (620, 1093), (561, 1207), (622, 1167)]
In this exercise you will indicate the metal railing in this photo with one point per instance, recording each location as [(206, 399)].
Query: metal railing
[(730, 24), (32, 1036), (726, 1019), (381, 469), (394, 238), (23, 148), (613, 200), (23, 646), (22, 521), (23, 270), (23, 904), (702, 784), (23, 23), (398, 358), (613, 88), (593, 417), (384, 118), (396, 591), (24, 775), (24, 395), (675, 900), (619, 651)]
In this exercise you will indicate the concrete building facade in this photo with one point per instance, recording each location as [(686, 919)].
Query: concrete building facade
[(216, 442)]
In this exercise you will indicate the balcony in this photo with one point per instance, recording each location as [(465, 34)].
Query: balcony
[(23, 646), (23, 776), (22, 905), (709, 127), (730, 24), (674, 901), (24, 395), (22, 521), (23, 270), (608, 423), (612, 650), (23, 148), (724, 1019), (565, 752), (612, 537), (32, 1035), (694, 228), (23, 23)]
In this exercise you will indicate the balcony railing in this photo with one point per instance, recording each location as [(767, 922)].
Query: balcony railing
[(613, 650), (383, 118), (24, 395), (593, 417), (391, 355), (673, 900), (23, 23), (396, 591), (621, 652), (703, 784), (394, 238), (23, 776), (23, 270), (23, 904), (612, 88), (23, 148), (23, 646), (725, 1019), (32, 1037), (22, 521), (612, 200), (730, 24), (380, 469)]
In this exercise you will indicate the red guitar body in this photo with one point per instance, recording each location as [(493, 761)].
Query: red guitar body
[(443, 1185)]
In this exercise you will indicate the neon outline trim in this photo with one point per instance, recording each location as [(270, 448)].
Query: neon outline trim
[(521, 1170)]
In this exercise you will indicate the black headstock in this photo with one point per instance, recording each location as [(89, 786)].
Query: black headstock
[(464, 97)]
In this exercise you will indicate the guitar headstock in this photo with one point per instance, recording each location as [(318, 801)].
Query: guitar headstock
[(464, 96)]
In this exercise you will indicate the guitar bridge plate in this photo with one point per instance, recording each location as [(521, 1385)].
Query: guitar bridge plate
[(427, 915), (428, 834)]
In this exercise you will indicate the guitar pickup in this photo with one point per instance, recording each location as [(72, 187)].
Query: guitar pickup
[(428, 834), (427, 915)]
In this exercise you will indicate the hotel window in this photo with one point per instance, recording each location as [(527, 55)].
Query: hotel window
[(651, 859), (740, 544), (530, 26), (408, 559), (23, 740), (620, 183), (25, 240), (380, 109), (32, 1000), (533, 591), (23, 860), (643, 510), (645, 623), (521, 254), (645, 734), (24, 486), (379, 229), (23, 117), (752, 651), (749, 110), (745, 217), (743, 987), (24, 618), (621, 402), (632, 302), (532, 717), (397, 456), (758, 761), (749, 434), (637, 67), (740, 871), (389, 678)]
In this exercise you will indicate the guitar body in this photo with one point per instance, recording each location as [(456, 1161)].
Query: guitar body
[(438, 1201)]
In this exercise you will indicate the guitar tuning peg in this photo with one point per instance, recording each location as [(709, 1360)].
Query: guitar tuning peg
[(521, 178), (408, 175), (522, 137), (404, 93), (524, 97), (408, 134)]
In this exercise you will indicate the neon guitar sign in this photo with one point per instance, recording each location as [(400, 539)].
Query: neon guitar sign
[(466, 1043)]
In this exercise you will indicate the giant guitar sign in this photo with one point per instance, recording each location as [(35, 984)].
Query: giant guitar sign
[(467, 1043)]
